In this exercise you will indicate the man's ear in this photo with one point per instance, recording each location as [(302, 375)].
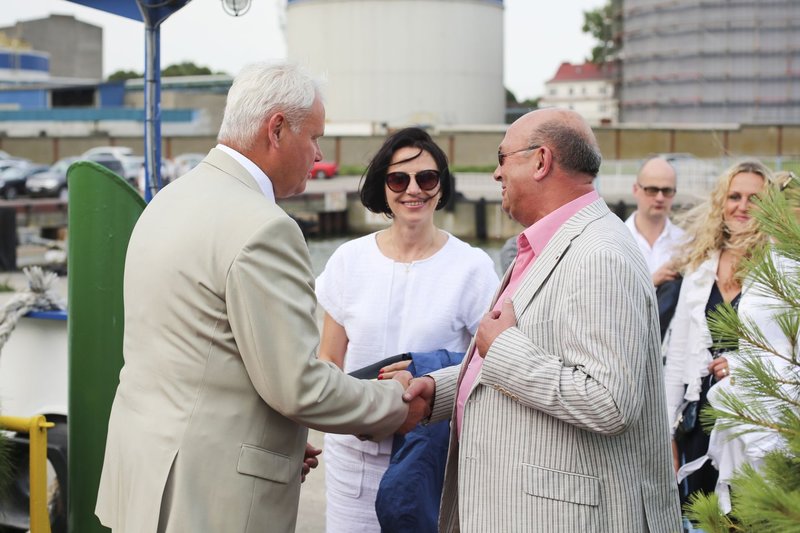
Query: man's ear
[(276, 127), (542, 163)]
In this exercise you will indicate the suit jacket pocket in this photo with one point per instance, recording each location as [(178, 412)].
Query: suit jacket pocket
[(561, 486), (258, 462)]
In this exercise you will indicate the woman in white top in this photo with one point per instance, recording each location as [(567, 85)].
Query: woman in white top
[(409, 288), (761, 308), (721, 233)]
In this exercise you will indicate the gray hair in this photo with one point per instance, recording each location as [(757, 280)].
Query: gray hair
[(261, 90), (575, 151)]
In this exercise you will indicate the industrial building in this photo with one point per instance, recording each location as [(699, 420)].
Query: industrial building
[(399, 62), (710, 61), (75, 48)]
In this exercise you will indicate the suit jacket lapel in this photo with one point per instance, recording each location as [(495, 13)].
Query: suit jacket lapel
[(545, 264), (542, 267), (471, 349)]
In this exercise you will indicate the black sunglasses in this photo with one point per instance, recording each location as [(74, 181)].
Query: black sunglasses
[(668, 192), (426, 179), (501, 156)]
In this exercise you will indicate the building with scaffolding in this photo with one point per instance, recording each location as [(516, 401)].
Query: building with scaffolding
[(710, 61)]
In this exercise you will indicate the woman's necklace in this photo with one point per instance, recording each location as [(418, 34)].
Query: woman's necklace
[(422, 254)]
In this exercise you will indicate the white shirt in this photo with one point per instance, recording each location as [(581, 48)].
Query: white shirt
[(263, 181), (662, 249), (387, 308)]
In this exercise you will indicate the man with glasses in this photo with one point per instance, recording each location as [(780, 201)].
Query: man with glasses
[(559, 409), (657, 237)]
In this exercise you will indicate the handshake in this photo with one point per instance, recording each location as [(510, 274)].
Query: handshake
[(419, 393)]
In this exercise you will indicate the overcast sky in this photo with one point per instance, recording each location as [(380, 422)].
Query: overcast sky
[(538, 36)]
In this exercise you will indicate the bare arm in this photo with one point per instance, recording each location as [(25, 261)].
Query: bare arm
[(333, 344)]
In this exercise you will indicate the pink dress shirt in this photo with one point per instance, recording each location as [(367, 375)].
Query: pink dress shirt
[(530, 244)]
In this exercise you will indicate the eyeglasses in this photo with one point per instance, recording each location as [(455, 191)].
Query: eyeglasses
[(668, 192), (790, 177), (501, 157), (426, 179)]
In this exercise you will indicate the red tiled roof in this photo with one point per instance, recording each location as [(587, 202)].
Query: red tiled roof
[(582, 72)]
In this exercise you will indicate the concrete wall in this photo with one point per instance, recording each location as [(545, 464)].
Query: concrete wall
[(461, 221), (403, 61), (75, 47), (465, 148)]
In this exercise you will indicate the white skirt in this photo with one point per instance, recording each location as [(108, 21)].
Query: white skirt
[(351, 481)]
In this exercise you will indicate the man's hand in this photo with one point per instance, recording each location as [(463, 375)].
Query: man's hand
[(493, 324), (419, 396), (309, 461), (663, 274)]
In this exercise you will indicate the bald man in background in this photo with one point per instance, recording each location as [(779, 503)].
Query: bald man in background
[(656, 235)]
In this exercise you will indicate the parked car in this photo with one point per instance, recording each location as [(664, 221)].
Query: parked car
[(51, 183), (324, 170), (111, 162), (13, 178), (133, 168), (119, 152), (183, 163)]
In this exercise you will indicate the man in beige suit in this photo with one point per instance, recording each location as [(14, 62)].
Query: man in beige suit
[(208, 428), (559, 417)]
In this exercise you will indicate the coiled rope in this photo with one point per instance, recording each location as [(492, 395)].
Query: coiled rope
[(40, 296)]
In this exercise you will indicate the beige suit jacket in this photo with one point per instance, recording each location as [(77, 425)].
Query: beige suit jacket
[(207, 427), (565, 429)]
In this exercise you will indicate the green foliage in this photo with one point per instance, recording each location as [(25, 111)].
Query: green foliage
[(125, 75), (766, 399), (351, 170), (5, 286), (511, 100), (601, 23), (187, 68)]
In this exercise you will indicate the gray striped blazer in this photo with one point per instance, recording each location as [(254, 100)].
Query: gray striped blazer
[(566, 426)]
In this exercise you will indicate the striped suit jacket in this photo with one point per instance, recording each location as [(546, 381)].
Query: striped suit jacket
[(565, 428)]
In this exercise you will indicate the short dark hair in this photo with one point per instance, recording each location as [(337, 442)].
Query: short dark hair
[(573, 151), (372, 189)]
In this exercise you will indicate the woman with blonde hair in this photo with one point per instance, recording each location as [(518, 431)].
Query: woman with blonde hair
[(720, 232)]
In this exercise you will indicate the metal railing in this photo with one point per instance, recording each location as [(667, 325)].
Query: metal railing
[(36, 428)]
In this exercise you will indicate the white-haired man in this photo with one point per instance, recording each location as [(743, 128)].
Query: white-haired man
[(207, 431)]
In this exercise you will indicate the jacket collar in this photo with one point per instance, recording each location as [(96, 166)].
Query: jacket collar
[(544, 265), (225, 163)]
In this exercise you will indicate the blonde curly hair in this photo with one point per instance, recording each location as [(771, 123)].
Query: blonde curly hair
[(705, 226)]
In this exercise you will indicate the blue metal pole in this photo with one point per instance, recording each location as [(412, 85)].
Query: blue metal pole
[(152, 106)]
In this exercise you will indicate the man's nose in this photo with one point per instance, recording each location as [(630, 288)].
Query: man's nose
[(496, 174)]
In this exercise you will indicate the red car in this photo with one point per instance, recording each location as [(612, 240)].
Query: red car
[(324, 170)]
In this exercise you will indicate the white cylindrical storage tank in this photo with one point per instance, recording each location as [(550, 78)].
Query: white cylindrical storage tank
[(399, 62)]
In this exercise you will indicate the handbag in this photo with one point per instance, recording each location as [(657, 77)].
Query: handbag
[(687, 421)]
